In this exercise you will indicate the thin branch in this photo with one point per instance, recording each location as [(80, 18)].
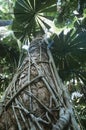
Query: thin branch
[(45, 107), (34, 119), (19, 126), (22, 116), (63, 120), (21, 89)]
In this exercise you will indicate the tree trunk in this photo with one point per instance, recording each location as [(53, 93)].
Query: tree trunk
[(36, 99)]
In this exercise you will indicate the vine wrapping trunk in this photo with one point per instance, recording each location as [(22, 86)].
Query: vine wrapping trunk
[(36, 99)]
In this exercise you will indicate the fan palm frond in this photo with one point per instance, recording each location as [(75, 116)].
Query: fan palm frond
[(69, 51), (30, 16)]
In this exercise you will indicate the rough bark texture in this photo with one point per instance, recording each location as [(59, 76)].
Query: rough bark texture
[(36, 98)]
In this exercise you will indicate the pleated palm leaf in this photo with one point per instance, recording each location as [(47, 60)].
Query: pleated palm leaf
[(31, 16), (69, 51)]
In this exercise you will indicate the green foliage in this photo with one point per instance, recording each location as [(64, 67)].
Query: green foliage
[(6, 71), (80, 108), (6, 9), (80, 24), (65, 15), (9, 58), (69, 52), (9, 51), (30, 17)]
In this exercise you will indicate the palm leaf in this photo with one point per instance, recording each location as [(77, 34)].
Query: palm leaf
[(69, 51), (30, 16)]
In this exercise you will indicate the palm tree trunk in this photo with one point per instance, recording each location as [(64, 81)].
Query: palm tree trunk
[(36, 99)]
